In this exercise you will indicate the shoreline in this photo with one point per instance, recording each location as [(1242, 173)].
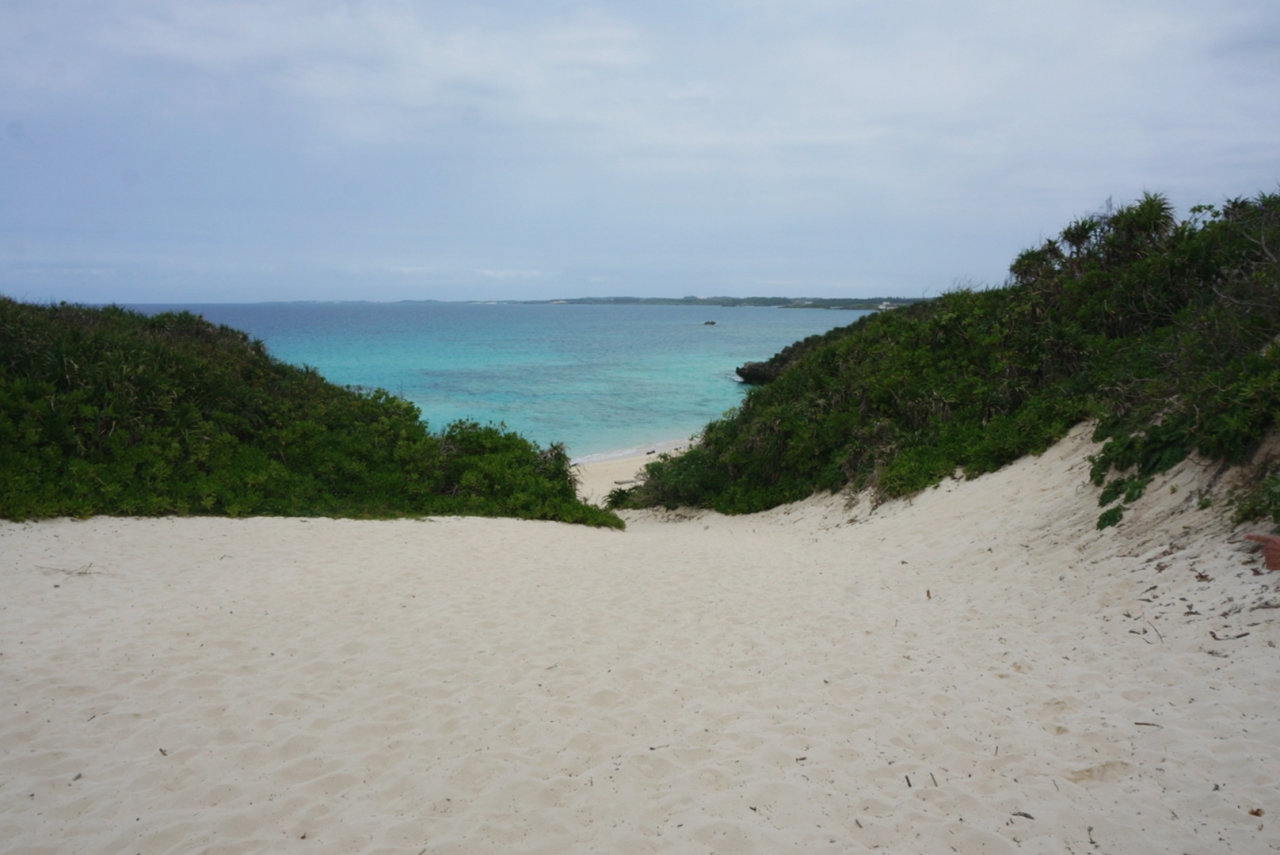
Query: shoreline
[(601, 474), (643, 450)]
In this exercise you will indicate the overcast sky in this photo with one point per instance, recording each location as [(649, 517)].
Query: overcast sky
[(184, 151)]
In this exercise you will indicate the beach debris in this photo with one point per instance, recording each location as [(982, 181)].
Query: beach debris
[(908, 777), (79, 571), (164, 753), (1148, 724), (1217, 637), (1257, 812), (1023, 813), (1270, 548)]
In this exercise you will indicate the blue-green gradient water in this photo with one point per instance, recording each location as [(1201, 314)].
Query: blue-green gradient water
[(598, 378)]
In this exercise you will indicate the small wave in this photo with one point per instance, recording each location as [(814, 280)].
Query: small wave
[(654, 448)]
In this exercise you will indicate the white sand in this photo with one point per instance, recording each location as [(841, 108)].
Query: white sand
[(599, 476), (927, 679)]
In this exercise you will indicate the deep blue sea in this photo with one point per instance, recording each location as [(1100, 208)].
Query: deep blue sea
[(598, 378)]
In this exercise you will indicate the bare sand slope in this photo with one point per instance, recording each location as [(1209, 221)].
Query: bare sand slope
[(975, 671)]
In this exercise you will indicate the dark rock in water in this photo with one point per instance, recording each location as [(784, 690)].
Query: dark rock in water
[(708, 323), (755, 373), (760, 373)]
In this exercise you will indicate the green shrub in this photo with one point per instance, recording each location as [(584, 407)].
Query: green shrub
[(1111, 517), (107, 411)]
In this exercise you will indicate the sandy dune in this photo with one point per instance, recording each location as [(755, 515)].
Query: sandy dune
[(978, 670)]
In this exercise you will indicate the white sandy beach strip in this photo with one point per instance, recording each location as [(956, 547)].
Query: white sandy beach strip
[(979, 670), (601, 474)]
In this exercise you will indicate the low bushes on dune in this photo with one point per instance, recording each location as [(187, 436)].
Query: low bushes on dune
[(107, 411), (1164, 331)]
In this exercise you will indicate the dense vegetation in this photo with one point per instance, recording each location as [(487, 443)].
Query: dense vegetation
[(1164, 331), (107, 411)]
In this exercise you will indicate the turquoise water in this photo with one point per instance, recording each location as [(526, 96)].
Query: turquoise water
[(597, 378)]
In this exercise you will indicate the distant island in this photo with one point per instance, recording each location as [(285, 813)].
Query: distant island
[(858, 303)]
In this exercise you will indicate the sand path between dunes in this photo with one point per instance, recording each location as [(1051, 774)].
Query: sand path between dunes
[(978, 670)]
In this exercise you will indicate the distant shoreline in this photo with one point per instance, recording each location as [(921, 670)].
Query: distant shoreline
[(864, 304)]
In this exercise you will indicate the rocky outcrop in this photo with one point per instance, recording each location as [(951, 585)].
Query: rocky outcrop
[(755, 373), (760, 373)]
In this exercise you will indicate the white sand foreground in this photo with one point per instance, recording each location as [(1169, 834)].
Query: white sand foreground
[(978, 670)]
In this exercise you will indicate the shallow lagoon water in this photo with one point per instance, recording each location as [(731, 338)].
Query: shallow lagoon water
[(598, 378)]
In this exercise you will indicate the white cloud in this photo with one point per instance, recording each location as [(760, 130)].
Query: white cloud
[(763, 76), (726, 133), (400, 65)]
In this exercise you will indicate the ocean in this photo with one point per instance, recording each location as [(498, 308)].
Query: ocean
[(601, 379)]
